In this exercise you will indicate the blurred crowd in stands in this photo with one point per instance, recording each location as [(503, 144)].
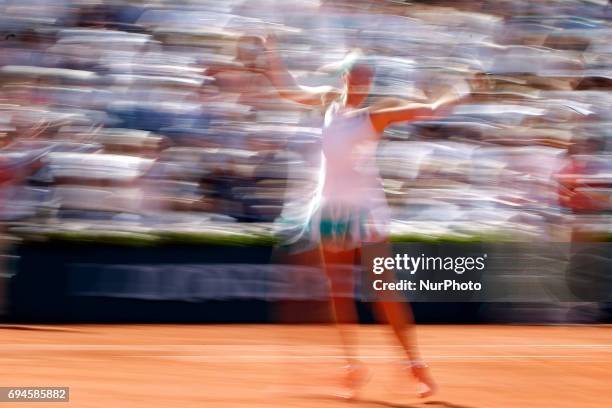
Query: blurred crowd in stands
[(142, 113)]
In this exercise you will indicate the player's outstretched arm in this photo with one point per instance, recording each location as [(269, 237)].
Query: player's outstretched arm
[(403, 111), (286, 84)]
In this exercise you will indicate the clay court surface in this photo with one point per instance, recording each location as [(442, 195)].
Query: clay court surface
[(296, 366)]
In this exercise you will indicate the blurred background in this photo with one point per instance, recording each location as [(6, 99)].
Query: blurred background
[(137, 135)]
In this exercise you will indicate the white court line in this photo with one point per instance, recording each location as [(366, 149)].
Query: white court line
[(373, 357), (318, 353), (187, 347), (273, 351), (324, 359), (327, 358)]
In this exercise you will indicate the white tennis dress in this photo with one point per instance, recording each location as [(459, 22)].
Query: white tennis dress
[(350, 207)]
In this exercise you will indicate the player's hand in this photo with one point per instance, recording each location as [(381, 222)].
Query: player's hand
[(249, 50), (271, 57)]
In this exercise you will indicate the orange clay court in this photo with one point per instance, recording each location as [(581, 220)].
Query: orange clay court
[(297, 365)]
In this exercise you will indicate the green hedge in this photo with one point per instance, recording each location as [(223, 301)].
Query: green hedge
[(230, 239)]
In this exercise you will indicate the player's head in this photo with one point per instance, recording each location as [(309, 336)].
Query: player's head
[(358, 74)]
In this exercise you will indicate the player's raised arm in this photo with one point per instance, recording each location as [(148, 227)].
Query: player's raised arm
[(286, 85)]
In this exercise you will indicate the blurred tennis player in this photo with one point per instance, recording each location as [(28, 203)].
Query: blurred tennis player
[(350, 208)]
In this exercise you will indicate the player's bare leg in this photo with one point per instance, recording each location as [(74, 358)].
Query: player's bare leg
[(398, 314), (337, 267)]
